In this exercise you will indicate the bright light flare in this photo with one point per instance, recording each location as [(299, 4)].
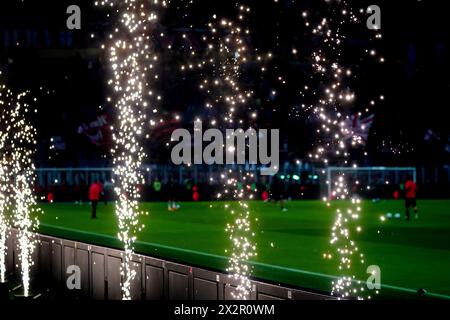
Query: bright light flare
[(18, 146), (133, 62)]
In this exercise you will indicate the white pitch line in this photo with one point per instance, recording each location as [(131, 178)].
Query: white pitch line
[(210, 255)]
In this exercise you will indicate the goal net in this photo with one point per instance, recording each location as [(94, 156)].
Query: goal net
[(369, 182)]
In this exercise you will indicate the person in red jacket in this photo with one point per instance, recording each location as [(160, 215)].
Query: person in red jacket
[(94, 196), (102, 191), (411, 197)]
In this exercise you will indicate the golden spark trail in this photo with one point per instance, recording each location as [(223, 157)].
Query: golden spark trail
[(228, 45), (226, 96), (133, 61), (18, 146), (5, 97), (331, 110)]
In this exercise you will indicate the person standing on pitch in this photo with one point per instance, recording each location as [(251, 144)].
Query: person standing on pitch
[(102, 191), (277, 191), (94, 196), (411, 197)]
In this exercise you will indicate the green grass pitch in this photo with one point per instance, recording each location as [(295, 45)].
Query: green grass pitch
[(411, 255)]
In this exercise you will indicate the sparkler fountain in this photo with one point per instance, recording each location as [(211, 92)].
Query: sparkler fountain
[(335, 139), (5, 96), (25, 211), (227, 43), (133, 64), (18, 145), (229, 104), (4, 224), (221, 68)]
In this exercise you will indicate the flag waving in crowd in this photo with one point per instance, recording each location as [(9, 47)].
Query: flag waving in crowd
[(357, 129)]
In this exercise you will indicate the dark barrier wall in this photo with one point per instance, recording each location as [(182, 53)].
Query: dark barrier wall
[(155, 279)]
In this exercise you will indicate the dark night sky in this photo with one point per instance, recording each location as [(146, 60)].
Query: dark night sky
[(414, 78)]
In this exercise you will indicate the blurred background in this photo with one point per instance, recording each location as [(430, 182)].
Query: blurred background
[(67, 71)]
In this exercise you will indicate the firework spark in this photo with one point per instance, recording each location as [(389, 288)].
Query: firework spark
[(227, 44), (227, 102), (133, 61), (4, 223), (5, 96), (333, 144), (18, 145)]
